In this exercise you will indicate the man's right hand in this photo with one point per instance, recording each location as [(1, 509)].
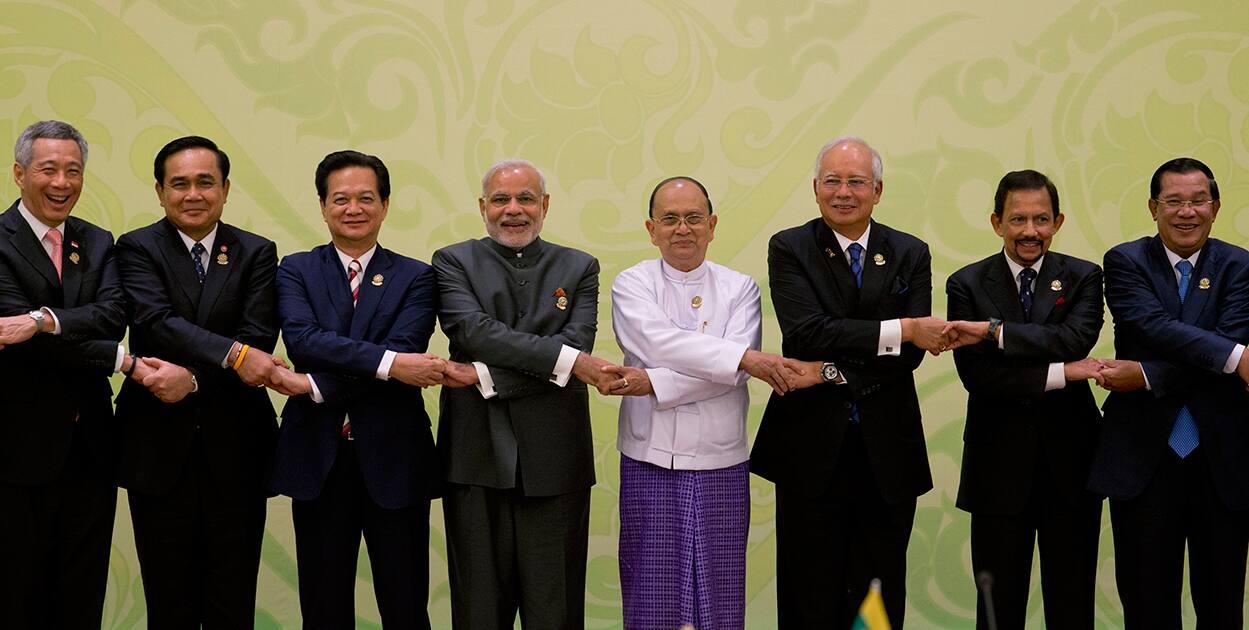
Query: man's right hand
[(256, 366), (420, 370), (459, 374), (589, 370), (778, 372), (169, 381), (288, 383), (928, 333), (1085, 369)]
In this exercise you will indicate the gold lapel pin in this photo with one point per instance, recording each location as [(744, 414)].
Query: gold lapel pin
[(1204, 283), (561, 299), (377, 280), (1056, 285), (879, 260), (697, 301), (74, 258), (222, 259)]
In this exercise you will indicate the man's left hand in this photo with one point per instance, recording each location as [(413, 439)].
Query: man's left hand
[(170, 382), (633, 381), (16, 329), (1122, 376)]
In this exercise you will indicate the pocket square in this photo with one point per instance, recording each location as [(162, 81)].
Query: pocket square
[(1060, 300)]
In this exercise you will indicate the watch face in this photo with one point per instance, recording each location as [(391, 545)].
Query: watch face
[(829, 372)]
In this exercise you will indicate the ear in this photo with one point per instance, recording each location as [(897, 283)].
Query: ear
[(996, 221), (1153, 209), (711, 228), (225, 191), (160, 194), (1058, 221), (481, 205), (650, 227), (546, 202), (18, 173)]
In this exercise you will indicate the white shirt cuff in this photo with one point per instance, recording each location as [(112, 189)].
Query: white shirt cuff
[(383, 368), (485, 384), (1233, 359), (563, 365), (890, 338), (121, 358), (1145, 375), (1001, 342), (1056, 378), (56, 323), (315, 393)]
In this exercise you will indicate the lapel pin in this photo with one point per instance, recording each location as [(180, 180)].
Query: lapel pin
[(561, 299), (1056, 285), (73, 244), (829, 251), (879, 260), (74, 258), (1204, 283), (377, 280), (697, 301), (222, 259)]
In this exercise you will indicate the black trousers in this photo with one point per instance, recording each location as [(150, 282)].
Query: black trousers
[(1180, 505), (830, 547), (55, 547), (199, 550), (327, 546), (506, 551), (1067, 534)]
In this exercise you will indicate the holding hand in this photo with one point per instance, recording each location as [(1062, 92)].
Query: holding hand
[(287, 382), (420, 370), (17, 328), (632, 381), (778, 372), (1084, 369), (170, 382), (962, 333), (589, 370), (256, 365), (928, 333), (1122, 376), (459, 374)]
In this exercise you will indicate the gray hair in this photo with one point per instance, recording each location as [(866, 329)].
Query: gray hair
[(511, 163), (878, 169), (24, 150)]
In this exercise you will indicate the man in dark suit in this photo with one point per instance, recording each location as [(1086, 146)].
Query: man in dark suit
[(1025, 320), (853, 298), (517, 446), (1174, 451), (355, 450), (200, 295), (61, 320)]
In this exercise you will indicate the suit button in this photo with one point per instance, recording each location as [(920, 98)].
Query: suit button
[(524, 282), (848, 405), (522, 314)]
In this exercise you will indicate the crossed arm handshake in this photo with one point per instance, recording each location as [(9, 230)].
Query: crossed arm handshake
[(781, 374)]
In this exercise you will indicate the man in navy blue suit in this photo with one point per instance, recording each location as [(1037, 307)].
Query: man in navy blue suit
[(355, 451), (1174, 449)]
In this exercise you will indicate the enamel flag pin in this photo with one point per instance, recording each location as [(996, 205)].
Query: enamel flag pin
[(222, 258), (377, 280), (1056, 285), (73, 256), (561, 299), (1204, 283)]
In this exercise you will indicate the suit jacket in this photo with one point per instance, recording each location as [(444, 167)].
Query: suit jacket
[(175, 318), (1182, 351), (501, 307), (1013, 424), (52, 380), (340, 347), (824, 316)]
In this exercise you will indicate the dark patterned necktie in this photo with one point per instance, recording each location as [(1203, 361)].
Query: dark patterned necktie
[(1184, 436), (197, 250), (1026, 276), (856, 265)]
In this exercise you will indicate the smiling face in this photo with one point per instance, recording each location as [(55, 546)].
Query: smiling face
[(193, 191), (683, 246), (514, 206), (353, 209), (52, 182), (1027, 225), (1184, 228), (846, 190)]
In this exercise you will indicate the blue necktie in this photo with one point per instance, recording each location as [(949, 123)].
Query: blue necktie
[(1184, 436), (1026, 276), (856, 255), (197, 250)]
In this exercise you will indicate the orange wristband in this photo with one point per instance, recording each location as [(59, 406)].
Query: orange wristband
[(239, 360)]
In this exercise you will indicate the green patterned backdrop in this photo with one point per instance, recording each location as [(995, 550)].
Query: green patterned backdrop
[(611, 97)]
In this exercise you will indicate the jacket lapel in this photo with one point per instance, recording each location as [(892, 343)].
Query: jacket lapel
[(24, 242), (999, 284), (337, 288), (1044, 296), (1209, 265), (371, 294), (842, 279), (73, 264), (1159, 267), (876, 277), (178, 260), (216, 275)]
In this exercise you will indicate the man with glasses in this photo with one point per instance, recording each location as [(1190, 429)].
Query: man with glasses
[(1174, 451), (853, 298), (690, 333)]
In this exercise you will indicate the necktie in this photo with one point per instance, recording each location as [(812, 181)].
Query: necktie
[(53, 237), (1026, 276), (856, 256), (197, 251), (354, 276), (856, 265), (1184, 436)]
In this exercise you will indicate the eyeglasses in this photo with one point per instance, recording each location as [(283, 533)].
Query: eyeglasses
[(693, 221), (1176, 204), (855, 183)]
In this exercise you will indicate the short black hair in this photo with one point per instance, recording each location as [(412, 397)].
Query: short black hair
[(1182, 165), (342, 159), (650, 206), (1026, 179), (184, 143)]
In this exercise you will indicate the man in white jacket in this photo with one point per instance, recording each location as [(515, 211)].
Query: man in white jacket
[(690, 333)]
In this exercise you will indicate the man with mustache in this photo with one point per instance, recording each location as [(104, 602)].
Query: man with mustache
[(1174, 451), (521, 314), (1025, 320)]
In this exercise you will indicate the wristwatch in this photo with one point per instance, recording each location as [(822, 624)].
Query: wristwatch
[(991, 333), (831, 374), (39, 318)]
